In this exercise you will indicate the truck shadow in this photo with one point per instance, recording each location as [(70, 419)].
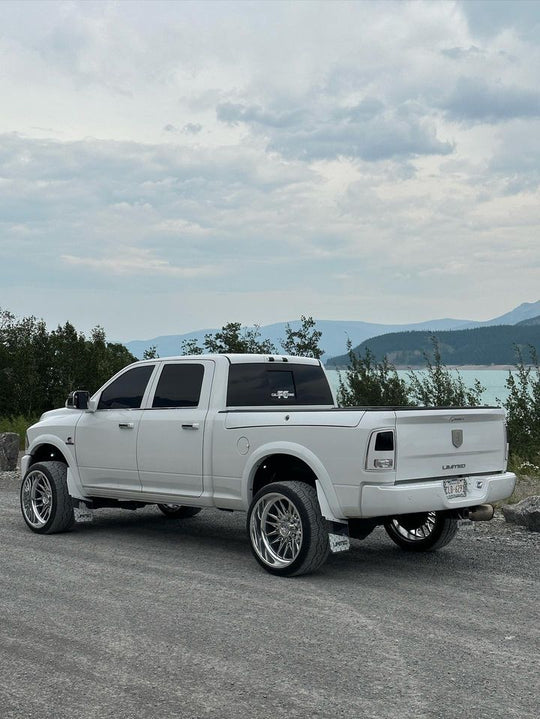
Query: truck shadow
[(216, 533)]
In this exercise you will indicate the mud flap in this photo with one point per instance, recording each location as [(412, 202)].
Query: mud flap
[(83, 514), (338, 537), (338, 530)]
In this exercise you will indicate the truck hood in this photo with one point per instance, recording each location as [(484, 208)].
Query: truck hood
[(62, 412)]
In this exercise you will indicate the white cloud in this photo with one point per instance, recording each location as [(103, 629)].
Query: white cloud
[(136, 261), (332, 158)]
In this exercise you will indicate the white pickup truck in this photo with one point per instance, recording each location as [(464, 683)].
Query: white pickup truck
[(263, 434)]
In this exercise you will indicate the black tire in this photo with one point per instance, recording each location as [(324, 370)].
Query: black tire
[(45, 502), (287, 533), (178, 511), (421, 532)]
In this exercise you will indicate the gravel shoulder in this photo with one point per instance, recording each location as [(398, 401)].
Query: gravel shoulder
[(139, 616)]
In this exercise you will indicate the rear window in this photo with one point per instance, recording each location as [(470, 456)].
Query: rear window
[(260, 385)]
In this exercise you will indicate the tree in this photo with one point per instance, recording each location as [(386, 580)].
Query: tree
[(150, 353), (231, 339), (190, 347), (370, 383), (436, 386), (303, 342), (39, 368), (523, 408)]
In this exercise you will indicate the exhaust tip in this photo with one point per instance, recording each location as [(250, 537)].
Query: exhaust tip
[(480, 513)]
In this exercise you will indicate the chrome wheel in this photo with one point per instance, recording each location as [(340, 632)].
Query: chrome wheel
[(416, 528), (276, 530), (37, 499), (422, 531)]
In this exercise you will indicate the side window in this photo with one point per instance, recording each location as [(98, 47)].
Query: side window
[(179, 385), (127, 391), (258, 384)]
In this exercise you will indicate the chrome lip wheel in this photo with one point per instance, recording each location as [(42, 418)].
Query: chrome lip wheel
[(37, 499), (276, 530), (414, 531)]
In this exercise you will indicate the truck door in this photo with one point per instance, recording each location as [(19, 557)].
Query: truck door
[(106, 440), (171, 433)]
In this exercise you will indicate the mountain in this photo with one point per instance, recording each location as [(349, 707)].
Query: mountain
[(336, 332), (532, 321), (480, 346), (525, 311)]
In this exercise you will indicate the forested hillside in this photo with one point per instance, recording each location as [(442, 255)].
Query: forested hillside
[(531, 321), (481, 346)]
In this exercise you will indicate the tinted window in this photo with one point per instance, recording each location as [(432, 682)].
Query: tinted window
[(179, 386), (127, 391), (258, 385)]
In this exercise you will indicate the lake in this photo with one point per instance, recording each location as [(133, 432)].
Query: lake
[(492, 379)]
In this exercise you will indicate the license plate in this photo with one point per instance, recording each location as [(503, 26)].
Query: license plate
[(455, 487)]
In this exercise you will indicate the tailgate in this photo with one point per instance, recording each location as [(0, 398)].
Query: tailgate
[(449, 442)]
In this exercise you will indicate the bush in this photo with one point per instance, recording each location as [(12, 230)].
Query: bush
[(370, 383), (440, 387), (523, 409)]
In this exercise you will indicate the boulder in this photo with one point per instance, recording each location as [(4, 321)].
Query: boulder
[(526, 513), (9, 451)]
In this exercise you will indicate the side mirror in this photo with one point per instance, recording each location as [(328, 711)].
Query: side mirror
[(78, 399)]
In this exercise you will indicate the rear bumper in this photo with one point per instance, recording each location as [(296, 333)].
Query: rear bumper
[(429, 496)]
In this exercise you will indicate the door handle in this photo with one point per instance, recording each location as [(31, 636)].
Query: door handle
[(126, 425), (191, 425)]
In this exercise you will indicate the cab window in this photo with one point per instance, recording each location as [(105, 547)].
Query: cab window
[(179, 386), (127, 391)]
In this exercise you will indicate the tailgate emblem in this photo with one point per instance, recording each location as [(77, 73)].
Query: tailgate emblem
[(457, 437)]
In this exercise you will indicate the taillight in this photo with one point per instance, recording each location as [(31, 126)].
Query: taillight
[(381, 450)]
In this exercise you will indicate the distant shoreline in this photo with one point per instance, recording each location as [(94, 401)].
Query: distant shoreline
[(465, 367), (482, 367)]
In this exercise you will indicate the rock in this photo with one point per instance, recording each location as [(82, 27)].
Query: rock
[(9, 451), (526, 513)]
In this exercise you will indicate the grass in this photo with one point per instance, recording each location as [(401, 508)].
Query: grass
[(18, 424), (528, 479)]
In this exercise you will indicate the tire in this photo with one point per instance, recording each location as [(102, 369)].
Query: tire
[(45, 502), (421, 532), (178, 511), (287, 533)]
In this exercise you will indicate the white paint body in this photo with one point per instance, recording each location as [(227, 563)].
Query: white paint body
[(208, 455)]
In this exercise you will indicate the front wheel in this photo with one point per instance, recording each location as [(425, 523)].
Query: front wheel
[(421, 532), (45, 502), (287, 532), (178, 511)]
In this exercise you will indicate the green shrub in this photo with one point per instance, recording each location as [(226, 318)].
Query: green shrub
[(370, 383), (523, 410), (438, 386)]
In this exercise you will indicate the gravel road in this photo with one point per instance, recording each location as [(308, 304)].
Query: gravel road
[(140, 616)]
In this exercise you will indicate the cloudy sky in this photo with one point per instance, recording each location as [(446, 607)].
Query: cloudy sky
[(171, 166)]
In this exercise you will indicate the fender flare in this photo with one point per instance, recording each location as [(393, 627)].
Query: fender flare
[(74, 484), (325, 489)]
